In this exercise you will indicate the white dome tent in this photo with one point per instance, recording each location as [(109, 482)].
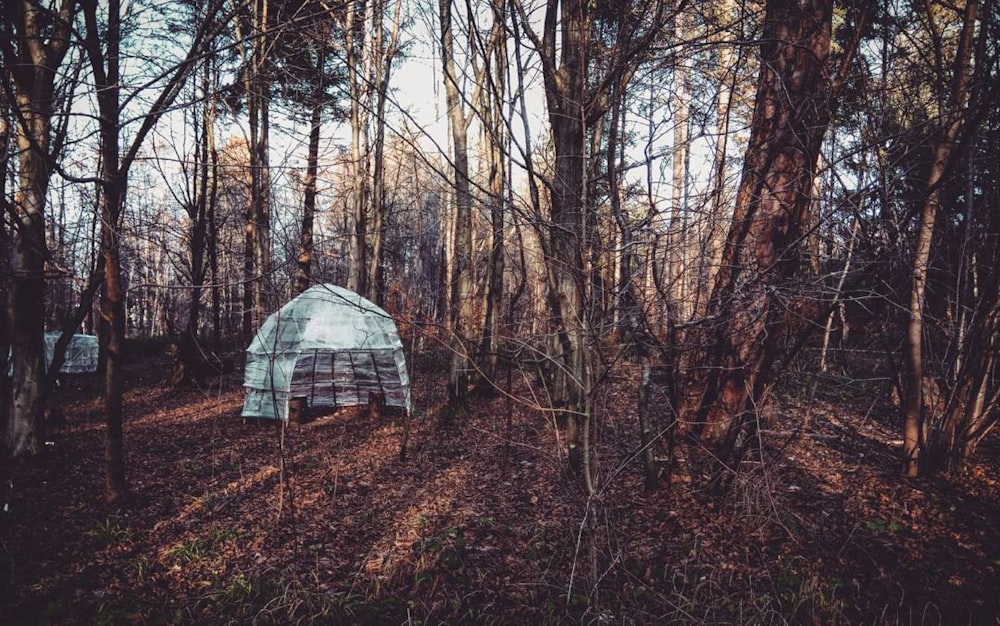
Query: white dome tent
[(328, 347)]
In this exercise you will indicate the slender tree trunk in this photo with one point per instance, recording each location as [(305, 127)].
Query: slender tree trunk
[(303, 277), (113, 185), (828, 328), (461, 275), (496, 66), (382, 63), (566, 243), (630, 325), (257, 234), (6, 264), (260, 164), (358, 277), (913, 425), (191, 353), (212, 237), (678, 230), (712, 242), (649, 470)]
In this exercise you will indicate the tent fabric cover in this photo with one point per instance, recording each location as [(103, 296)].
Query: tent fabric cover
[(81, 353), (330, 346)]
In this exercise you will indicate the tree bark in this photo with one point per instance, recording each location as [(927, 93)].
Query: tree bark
[(495, 134), (33, 66), (303, 277), (384, 55), (791, 115), (461, 275), (113, 185), (6, 252), (576, 102), (913, 425), (104, 61), (677, 234), (358, 277), (191, 354), (260, 122)]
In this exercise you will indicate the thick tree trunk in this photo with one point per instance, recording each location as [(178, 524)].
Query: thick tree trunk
[(566, 242), (33, 72), (27, 293), (790, 119)]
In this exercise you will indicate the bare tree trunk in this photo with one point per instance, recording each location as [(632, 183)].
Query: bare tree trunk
[(257, 236), (191, 355), (113, 185), (576, 101), (678, 229), (913, 437), (828, 329), (104, 60), (566, 242), (6, 264), (33, 70), (358, 277), (793, 109), (212, 237), (461, 275), (630, 330), (260, 166), (650, 475), (714, 231), (303, 277), (383, 56), (494, 129)]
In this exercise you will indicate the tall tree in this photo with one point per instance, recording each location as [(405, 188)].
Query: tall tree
[(795, 96), (354, 38), (252, 27), (461, 275), (35, 41), (577, 99), (6, 251), (952, 118), (103, 45), (383, 55), (198, 202), (491, 108)]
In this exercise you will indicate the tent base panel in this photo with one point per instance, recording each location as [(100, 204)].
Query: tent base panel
[(300, 412), (278, 406)]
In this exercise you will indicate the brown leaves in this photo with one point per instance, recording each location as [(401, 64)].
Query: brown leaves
[(480, 523)]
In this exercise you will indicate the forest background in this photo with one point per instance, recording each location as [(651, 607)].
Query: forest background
[(714, 194)]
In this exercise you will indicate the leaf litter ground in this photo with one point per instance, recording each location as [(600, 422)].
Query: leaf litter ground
[(481, 523)]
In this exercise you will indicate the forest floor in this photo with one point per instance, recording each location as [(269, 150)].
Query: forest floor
[(481, 523)]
